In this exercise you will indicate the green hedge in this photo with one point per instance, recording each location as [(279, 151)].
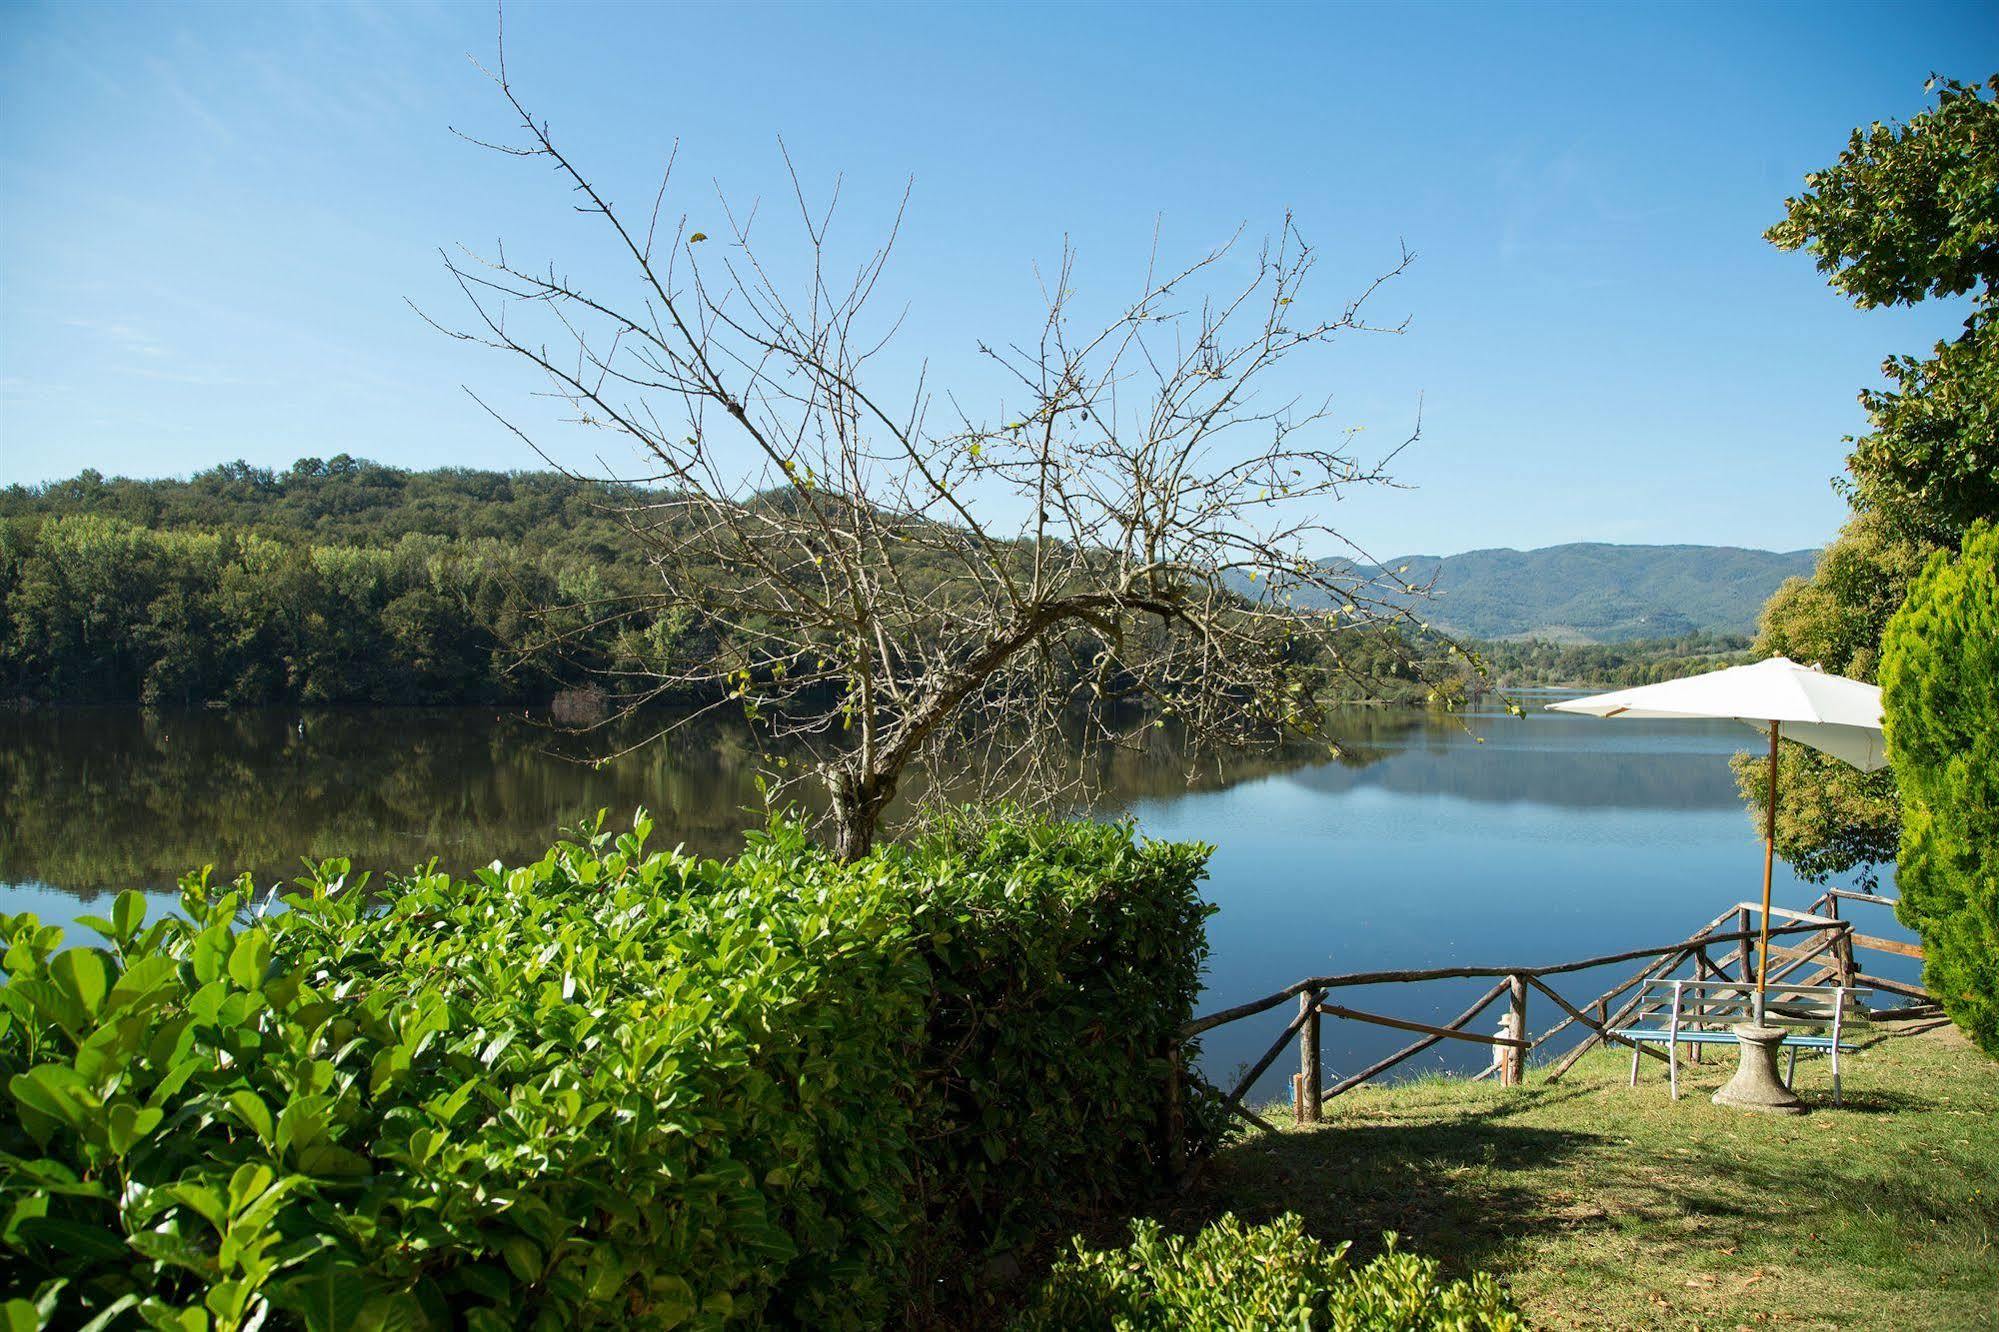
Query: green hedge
[(1270, 1278), (1063, 959), (1940, 692), (612, 1087)]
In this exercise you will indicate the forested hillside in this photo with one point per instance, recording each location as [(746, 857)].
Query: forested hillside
[(332, 582), (345, 501), (345, 581)]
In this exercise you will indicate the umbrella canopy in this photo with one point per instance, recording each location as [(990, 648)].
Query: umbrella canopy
[(1828, 712), (1842, 717)]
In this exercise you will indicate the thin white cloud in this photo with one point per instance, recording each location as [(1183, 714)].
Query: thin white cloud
[(155, 359), (123, 334)]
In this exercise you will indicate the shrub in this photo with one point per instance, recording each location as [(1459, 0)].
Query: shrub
[(604, 1087), (611, 1087), (1063, 958), (1230, 1276), (1940, 690)]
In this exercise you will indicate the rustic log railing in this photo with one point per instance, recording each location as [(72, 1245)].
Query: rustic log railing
[(1830, 945)]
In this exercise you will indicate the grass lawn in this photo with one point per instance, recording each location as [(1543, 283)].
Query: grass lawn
[(1605, 1206)]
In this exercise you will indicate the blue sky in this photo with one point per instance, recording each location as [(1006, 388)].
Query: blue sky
[(211, 218)]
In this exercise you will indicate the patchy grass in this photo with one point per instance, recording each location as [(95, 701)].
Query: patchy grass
[(1607, 1206)]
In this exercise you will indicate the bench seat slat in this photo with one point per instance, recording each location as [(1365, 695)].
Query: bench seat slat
[(1696, 1037)]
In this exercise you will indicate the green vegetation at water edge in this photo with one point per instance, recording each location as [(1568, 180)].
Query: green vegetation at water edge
[(1644, 661), (341, 581), (94, 610), (612, 1087)]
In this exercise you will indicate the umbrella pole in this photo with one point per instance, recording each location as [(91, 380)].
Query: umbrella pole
[(1769, 861)]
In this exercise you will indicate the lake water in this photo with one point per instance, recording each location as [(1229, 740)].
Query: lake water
[(1480, 840)]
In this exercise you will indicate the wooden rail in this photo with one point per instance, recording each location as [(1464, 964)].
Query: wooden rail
[(1887, 946), (1847, 970), (1292, 991), (1334, 1010), (1831, 948)]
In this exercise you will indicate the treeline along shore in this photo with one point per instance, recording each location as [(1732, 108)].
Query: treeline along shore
[(347, 582), (335, 582)]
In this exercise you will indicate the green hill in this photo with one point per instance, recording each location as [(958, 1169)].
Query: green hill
[(1592, 592), (347, 581), (343, 581)]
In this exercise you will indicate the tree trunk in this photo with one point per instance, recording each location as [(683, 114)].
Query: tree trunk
[(862, 789), (858, 802)]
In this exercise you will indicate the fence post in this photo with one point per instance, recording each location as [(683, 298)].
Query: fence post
[(1842, 944), (1310, 1085), (1702, 966), (1514, 1071)]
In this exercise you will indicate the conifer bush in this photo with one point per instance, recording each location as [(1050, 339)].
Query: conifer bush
[(614, 1087), (1940, 691)]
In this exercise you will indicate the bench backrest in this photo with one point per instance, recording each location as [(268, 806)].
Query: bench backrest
[(1708, 1003)]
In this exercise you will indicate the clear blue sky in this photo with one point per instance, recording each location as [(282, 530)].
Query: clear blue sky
[(213, 215)]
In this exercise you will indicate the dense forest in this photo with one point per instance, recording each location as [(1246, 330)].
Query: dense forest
[(344, 581), (334, 582), (1537, 662)]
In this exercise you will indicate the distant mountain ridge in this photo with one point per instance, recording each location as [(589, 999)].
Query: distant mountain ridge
[(1595, 592)]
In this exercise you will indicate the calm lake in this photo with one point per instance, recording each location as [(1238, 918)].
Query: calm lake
[(1485, 839)]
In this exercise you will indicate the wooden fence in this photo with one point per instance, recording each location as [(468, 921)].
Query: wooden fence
[(1822, 949)]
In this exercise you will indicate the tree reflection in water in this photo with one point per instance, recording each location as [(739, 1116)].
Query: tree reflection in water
[(103, 799)]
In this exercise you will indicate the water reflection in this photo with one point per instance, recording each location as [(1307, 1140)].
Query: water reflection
[(99, 800), (103, 800), (1549, 760)]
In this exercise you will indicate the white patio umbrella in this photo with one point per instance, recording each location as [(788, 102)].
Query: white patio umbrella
[(1831, 713)]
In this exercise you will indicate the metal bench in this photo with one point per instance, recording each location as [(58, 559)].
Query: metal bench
[(1700, 1012)]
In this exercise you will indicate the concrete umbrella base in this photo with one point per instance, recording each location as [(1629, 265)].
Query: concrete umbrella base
[(1756, 1085)]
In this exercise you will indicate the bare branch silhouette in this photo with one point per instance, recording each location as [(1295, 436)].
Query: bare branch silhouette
[(1132, 545)]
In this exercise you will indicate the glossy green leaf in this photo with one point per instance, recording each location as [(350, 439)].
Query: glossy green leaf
[(143, 978), (251, 1110), (128, 913), (165, 1317), (53, 1090), (329, 1296), (86, 975), (673, 1301), (112, 1314), (249, 959), (127, 1125), (77, 1242)]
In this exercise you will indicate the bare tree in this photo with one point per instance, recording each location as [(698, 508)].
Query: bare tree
[(1131, 544)]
